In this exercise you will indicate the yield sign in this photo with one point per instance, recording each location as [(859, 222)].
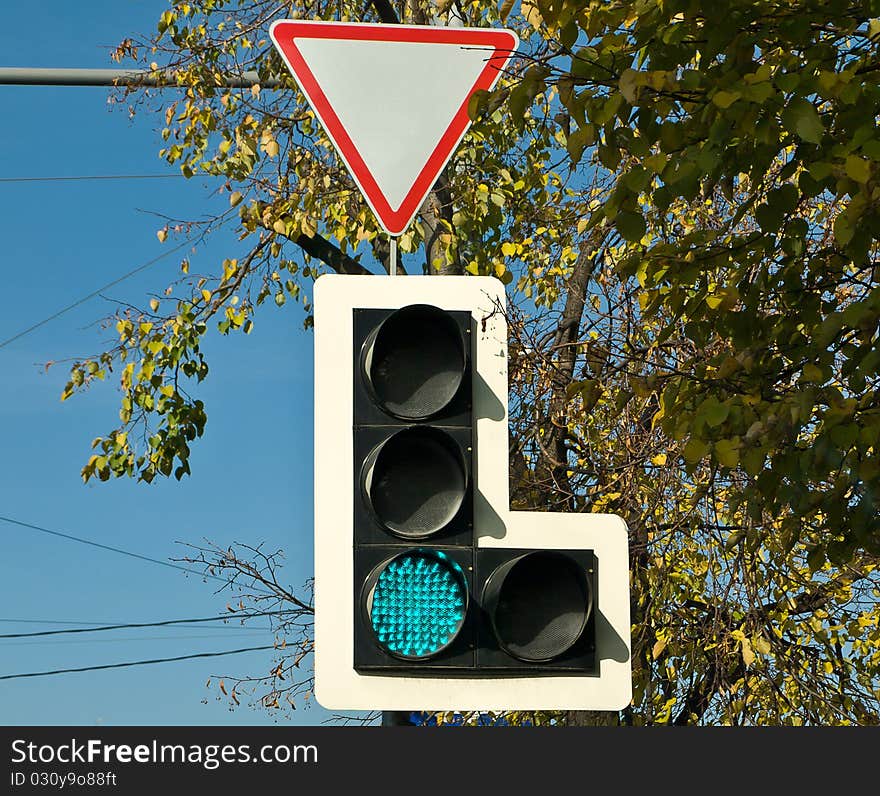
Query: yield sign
[(393, 99)]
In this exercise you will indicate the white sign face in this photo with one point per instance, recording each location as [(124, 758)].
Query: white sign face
[(337, 684), (393, 99)]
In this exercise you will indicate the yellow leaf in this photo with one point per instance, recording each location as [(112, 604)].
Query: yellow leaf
[(657, 651), (154, 304), (659, 459), (206, 295), (161, 235), (658, 416), (529, 9), (508, 249), (308, 228), (630, 82), (279, 226), (235, 198), (747, 652)]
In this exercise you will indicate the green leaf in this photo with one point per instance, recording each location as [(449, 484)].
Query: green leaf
[(727, 452), (477, 102), (724, 99), (714, 412), (752, 460), (858, 168), (734, 539), (800, 118), (631, 226), (579, 140), (816, 559), (813, 373), (695, 450), (768, 218), (630, 82), (843, 229)]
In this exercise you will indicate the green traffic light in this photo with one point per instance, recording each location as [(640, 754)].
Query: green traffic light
[(418, 603)]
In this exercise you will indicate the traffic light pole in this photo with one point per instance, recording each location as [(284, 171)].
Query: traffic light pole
[(396, 718)]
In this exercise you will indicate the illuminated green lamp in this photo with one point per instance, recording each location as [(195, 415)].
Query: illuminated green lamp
[(418, 603)]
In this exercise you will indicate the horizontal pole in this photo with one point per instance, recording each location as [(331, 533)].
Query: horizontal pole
[(28, 76)]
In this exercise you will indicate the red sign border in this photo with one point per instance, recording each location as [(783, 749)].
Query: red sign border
[(285, 32)]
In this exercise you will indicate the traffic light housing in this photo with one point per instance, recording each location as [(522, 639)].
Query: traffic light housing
[(430, 593)]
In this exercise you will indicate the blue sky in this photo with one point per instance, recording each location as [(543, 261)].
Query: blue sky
[(252, 472)]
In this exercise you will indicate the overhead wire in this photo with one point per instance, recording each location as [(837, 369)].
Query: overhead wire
[(78, 622), (127, 639), (162, 623), (119, 550), (94, 293), (126, 664), (79, 177)]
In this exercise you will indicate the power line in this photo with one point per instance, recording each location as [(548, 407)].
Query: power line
[(128, 639), (119, 550), (135, 663), (94, 177), (163, 623), (79, 622), (92, 295), (72, 538)]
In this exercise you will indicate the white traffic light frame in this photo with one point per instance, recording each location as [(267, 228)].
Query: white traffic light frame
[(337, 684)]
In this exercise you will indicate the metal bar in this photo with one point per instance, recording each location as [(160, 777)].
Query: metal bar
[(392, 255), (29, 76)]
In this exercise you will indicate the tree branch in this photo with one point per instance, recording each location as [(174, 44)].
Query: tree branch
[(321, 248)]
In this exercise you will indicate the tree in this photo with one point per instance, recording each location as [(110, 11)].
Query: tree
[(682, 197)]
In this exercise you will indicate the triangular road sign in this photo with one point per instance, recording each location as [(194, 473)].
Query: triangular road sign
[(393, 99)]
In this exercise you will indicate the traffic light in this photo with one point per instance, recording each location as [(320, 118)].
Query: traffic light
[(430, 593), (412, 498)]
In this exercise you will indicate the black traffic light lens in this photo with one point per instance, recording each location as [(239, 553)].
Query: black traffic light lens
[(539, 605), (415, 481), (414, 362), (417, 603)]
